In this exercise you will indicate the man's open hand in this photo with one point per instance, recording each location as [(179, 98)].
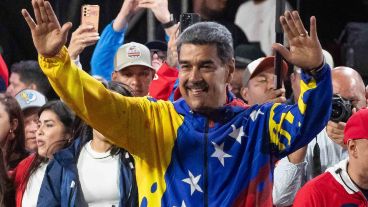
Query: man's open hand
[(48, 36)]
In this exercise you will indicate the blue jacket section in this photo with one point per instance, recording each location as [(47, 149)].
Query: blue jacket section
[(227, 159), (61, 186), (102, 62)]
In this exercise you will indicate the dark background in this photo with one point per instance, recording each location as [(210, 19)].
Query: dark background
[(16, 42)]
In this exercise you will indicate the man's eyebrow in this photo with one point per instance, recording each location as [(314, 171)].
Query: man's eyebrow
[(206, 62), (184, 61), (202, 62)]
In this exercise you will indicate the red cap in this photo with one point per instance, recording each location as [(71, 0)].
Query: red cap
[(259, 65), (356, 127)]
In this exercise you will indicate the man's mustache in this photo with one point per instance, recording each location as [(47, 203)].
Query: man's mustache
[(197, 85)]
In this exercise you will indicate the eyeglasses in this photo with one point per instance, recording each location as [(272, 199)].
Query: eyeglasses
[(161, 54)]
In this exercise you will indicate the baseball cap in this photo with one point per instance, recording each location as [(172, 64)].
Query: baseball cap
[(28, 98), (257, 66), (157, 45), (356, 126), (132, 53), (246, 53), (328, 58)]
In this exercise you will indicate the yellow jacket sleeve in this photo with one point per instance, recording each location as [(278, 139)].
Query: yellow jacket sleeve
[(126, 121)]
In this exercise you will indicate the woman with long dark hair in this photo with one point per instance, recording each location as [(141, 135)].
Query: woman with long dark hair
[(91, 172), (6, 186), (54, 133), (11, 132)]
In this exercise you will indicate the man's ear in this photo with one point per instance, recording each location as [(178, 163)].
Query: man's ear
[(244, 93), (113, 76), (231, 67), (153, 74), (32, 86), (352, 148)]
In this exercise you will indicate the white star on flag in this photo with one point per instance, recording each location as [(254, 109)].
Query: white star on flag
[(237, 133), (182, 204), (193, 182), (219, 153), (254, 114)]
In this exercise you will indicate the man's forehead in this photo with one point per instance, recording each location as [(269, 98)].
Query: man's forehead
[(345, 85), (349, 93), (193, 50), (194, 46), (362, 141), (14, 76), (135, 69), (31, 112), (267, 70)]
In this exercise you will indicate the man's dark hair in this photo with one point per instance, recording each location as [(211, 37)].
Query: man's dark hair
[(204, 33), (29, 72)]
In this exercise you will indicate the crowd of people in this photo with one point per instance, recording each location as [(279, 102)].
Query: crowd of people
[(193, 121)]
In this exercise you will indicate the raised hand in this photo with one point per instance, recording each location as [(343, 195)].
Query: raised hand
[(275, 96), (335, 132), (172, 52), (128, 9), (48, 37), (82, 37), (159, 8), (305, 49)]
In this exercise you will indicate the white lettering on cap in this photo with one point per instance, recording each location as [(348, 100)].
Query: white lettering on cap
[(133, 52)]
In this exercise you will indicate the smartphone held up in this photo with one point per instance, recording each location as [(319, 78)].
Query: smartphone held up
[(90, 15), (187, 19)]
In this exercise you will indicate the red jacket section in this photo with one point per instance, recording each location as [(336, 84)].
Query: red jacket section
[(333, 188), (163, 83), (20, 179)]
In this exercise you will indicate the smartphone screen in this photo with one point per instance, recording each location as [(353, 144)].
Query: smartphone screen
[(187, 19), (90, 15)]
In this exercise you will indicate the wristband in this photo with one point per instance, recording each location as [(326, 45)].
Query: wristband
[(169, 23)]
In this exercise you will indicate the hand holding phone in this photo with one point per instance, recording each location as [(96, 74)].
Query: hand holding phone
[(90, 15)]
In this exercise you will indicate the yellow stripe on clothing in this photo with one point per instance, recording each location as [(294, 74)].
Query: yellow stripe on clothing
[(133, 123), (304, 87)]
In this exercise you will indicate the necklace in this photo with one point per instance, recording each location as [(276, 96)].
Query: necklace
[(96, 155)]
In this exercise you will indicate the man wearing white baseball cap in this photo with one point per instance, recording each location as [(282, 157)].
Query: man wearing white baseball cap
[(132, 66), (30, 102), (259, 82)]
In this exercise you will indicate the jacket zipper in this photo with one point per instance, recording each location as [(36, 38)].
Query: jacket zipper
[(71, 193), (206, 164)]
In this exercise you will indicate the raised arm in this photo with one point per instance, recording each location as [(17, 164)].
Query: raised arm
[(125, 121), (160, 9), (102, 62), (291, 127), (82, 37)]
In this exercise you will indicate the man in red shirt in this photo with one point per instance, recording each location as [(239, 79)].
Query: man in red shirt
[(345, 184)]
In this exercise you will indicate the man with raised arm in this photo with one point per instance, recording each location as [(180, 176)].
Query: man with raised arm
[(206, 148)]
